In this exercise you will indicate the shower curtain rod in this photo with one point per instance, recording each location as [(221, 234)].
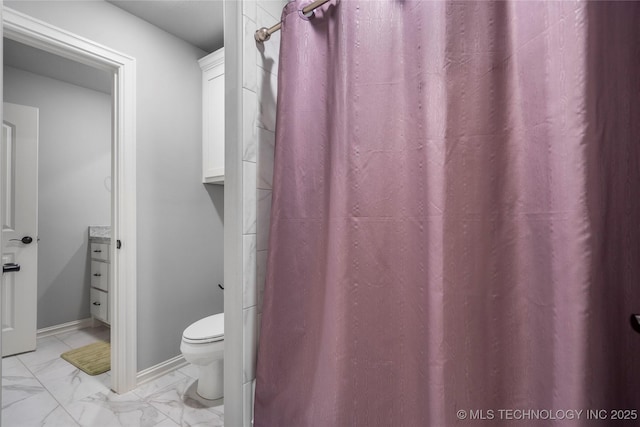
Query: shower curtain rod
[(264, 33)]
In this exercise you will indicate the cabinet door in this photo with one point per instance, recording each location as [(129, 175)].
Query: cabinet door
[(213, 127)]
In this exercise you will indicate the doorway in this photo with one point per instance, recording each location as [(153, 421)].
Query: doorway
[(71, 173), (35, 33)]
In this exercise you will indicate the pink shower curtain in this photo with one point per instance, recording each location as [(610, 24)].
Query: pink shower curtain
[(455, 233)]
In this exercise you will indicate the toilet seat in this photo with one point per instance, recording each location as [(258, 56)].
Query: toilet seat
[(209, 329)]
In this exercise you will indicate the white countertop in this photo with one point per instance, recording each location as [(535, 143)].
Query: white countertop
[(100, 233)]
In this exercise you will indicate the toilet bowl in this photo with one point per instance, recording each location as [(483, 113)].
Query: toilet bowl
[(203, 346)]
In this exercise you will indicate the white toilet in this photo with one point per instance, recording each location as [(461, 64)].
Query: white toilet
[(203, 345)]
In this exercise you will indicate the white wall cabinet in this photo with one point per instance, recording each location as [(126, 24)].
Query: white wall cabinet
[(212, 67), (99, 303)]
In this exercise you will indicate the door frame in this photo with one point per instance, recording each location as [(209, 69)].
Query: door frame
[(33, 32)]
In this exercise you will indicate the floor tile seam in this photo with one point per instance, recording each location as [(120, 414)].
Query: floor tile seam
[(46, 390), (165, 389), (180, 397), (60, 403)]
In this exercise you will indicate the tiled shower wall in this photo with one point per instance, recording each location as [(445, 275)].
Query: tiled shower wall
[(259, 89)]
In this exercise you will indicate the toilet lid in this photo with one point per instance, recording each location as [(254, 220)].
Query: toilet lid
[(205, 330)]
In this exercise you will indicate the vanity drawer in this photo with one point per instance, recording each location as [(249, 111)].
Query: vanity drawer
[(100, 275), (100, 251), (100, 305)]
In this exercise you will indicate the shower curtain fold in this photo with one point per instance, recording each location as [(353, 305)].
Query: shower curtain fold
[(455, 226)]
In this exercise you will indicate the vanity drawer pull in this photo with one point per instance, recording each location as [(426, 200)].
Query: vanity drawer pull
[(96, 303), (97, 274), (100, 251)]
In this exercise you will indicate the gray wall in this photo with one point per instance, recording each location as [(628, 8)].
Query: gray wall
[(180, 246), (73, 186)]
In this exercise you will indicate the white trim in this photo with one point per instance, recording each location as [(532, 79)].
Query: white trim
[(64, 327), (233, 267), (33, 32), (212, 60), (161, 369), (2, 184)]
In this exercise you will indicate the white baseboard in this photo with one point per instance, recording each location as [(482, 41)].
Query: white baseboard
[(64, 327), (160, 369)]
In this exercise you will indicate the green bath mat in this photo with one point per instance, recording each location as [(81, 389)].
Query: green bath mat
[(94, 359)]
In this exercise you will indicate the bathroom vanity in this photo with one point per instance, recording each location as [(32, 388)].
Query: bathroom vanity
[(99, 252)]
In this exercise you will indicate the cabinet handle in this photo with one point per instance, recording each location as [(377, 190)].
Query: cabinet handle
[(97, 251), (96, 303), (97, 274)]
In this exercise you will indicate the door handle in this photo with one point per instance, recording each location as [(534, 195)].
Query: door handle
[(10, 266), (26, 240)]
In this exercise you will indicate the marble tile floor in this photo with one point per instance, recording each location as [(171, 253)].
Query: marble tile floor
[(41, 389)]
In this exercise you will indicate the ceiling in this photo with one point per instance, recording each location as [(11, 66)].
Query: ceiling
[(18, 55), (198, 22)]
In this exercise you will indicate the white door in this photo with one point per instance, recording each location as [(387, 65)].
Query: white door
[(20, 228)]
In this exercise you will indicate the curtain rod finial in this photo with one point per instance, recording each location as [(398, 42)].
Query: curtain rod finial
[(262, 35)]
